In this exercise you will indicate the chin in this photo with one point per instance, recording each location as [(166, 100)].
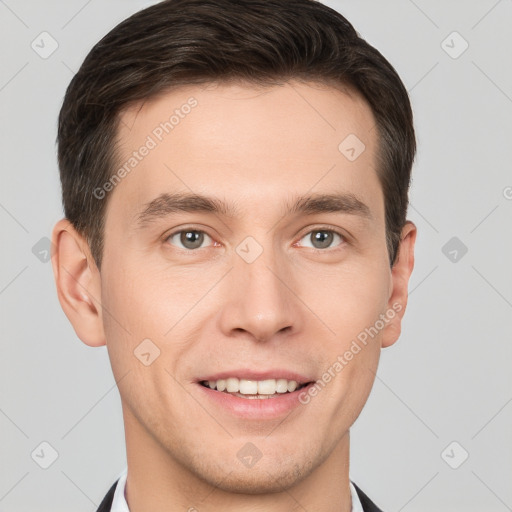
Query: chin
[(262, 480)]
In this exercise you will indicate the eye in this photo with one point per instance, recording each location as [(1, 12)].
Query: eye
[(322, 238), (188, 238)]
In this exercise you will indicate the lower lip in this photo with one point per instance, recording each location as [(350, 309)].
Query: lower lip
[(256, 408)]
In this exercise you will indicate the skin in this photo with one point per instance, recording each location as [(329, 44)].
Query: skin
[(208, 310)]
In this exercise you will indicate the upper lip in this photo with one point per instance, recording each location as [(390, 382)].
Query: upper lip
[(247, 374)]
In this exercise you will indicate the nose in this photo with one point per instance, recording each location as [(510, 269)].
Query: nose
[(260, 303)]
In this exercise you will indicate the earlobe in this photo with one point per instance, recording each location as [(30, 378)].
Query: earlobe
[(78, 283), (400, 274)]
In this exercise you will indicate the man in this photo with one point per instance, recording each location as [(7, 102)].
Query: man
[(235, 182)]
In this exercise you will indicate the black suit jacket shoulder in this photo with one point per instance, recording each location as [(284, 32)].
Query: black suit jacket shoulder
[(106, 503), (367, 503)]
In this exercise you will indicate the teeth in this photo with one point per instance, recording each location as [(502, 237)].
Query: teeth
[(232, 385), (282, 386), (292, 386), (267, 387), (248, 387), (253, 387)]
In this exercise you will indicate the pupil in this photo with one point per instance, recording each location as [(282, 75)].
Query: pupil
[(192, 239), (322, 239)]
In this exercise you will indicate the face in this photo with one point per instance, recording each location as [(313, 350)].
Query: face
[(274, 274)]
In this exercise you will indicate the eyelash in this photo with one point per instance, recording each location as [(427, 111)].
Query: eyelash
[(326, 229)]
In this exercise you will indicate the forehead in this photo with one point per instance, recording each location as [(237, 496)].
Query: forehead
[(247, 142)]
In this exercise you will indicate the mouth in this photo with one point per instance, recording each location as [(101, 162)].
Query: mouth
[(255, 395), (255, 389)]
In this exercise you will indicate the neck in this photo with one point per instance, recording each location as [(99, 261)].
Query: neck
[(158, 481)]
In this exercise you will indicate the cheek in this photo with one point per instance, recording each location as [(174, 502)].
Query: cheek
[(348, 300), (137, 316), (352, 303), (151, 315), (131, 328), (350, 356), (137, 301)]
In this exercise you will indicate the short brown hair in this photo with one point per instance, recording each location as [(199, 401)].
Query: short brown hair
[(184, 42)]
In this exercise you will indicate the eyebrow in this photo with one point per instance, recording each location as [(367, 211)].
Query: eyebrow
[(166, 204)]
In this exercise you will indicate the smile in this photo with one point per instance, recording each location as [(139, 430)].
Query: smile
[(260, 396), (251, 389)]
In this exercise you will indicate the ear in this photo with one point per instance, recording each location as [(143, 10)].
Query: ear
[(400, 274), (78, 283)]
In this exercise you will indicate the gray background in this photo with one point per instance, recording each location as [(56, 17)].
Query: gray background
[(449, 377)]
